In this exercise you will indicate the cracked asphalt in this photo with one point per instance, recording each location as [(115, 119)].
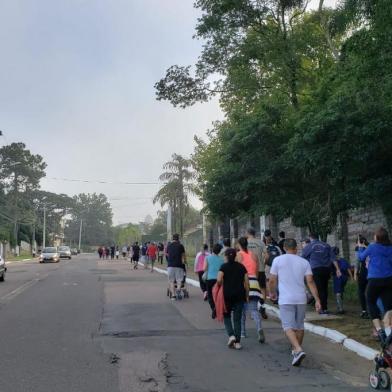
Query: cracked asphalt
[(88, 325)]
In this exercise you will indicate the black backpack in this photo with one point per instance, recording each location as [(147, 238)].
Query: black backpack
[(273, 251)]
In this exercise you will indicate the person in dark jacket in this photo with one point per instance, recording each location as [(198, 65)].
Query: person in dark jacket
[(360, 276), (234, 278), (379, 260), (339, 283), (320, 256)]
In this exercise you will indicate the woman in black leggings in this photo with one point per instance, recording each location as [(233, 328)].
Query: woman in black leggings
[(360, 275), (379, 258)]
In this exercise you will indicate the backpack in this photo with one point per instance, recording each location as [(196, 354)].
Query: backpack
[(273, 251)]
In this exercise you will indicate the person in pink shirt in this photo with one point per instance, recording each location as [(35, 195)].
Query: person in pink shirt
[(199, 269), (251, 264)]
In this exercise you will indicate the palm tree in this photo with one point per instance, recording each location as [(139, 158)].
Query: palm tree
[(168, 195), (178, 185)]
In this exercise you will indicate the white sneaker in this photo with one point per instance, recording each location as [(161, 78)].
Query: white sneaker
[(231, 341), (298, 358), (237, 346)]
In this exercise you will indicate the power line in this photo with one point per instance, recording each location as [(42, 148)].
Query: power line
[(102, 181), (129, 198)]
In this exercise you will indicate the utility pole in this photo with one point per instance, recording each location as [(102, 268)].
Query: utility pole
[(34, 250), (16, 237), (44, 229), (80, 233)]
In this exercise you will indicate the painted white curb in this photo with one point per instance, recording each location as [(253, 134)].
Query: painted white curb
[(190, 281), (193, 282), (334, 336), (161, 271), (328, 333), (360, 349)]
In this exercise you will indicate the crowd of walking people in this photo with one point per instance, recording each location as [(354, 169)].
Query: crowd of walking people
[(148, 253), (244, 276), (236, 279)]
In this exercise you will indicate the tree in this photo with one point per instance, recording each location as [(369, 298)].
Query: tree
[(349, 117), (56, 206), (178, 186), (307, 98), (95, 213), (20, 174), (126, 235), (168, 195), (270, 56), (252, 50), (158, 230)]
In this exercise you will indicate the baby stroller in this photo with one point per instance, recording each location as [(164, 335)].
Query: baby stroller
[(183, 288), (379, 377)]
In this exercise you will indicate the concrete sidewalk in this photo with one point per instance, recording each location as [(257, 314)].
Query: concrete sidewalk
[(175, 346)]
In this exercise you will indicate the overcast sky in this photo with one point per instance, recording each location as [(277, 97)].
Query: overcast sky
[(77, 81)]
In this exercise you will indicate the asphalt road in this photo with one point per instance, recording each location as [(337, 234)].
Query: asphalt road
[(85, 325)]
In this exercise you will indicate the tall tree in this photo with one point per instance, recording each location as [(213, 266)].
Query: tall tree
[(94, 213), (178, 177), (252, 50), (20, 174), (56, 206)]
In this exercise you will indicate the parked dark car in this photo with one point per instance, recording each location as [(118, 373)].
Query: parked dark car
[(74, 251)]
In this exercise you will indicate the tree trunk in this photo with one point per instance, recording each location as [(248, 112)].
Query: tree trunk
[(324, 26), (345, 240)]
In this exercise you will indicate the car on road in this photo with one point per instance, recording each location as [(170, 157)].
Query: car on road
[(74, 252), (3, 269), (50, 253), (65, 252)]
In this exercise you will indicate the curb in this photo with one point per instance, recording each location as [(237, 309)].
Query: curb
[(334, 336), (328, 333), (17, 261)]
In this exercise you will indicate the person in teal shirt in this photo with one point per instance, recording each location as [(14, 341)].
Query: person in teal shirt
[(212, 266)]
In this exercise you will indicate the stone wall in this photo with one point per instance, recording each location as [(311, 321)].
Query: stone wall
[(362, 221)]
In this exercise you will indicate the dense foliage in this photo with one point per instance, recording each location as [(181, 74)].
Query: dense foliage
[(95, 213), (307, 98), (126, 234)]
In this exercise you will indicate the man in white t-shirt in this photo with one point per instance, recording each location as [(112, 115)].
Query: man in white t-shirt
[(289, 273)]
